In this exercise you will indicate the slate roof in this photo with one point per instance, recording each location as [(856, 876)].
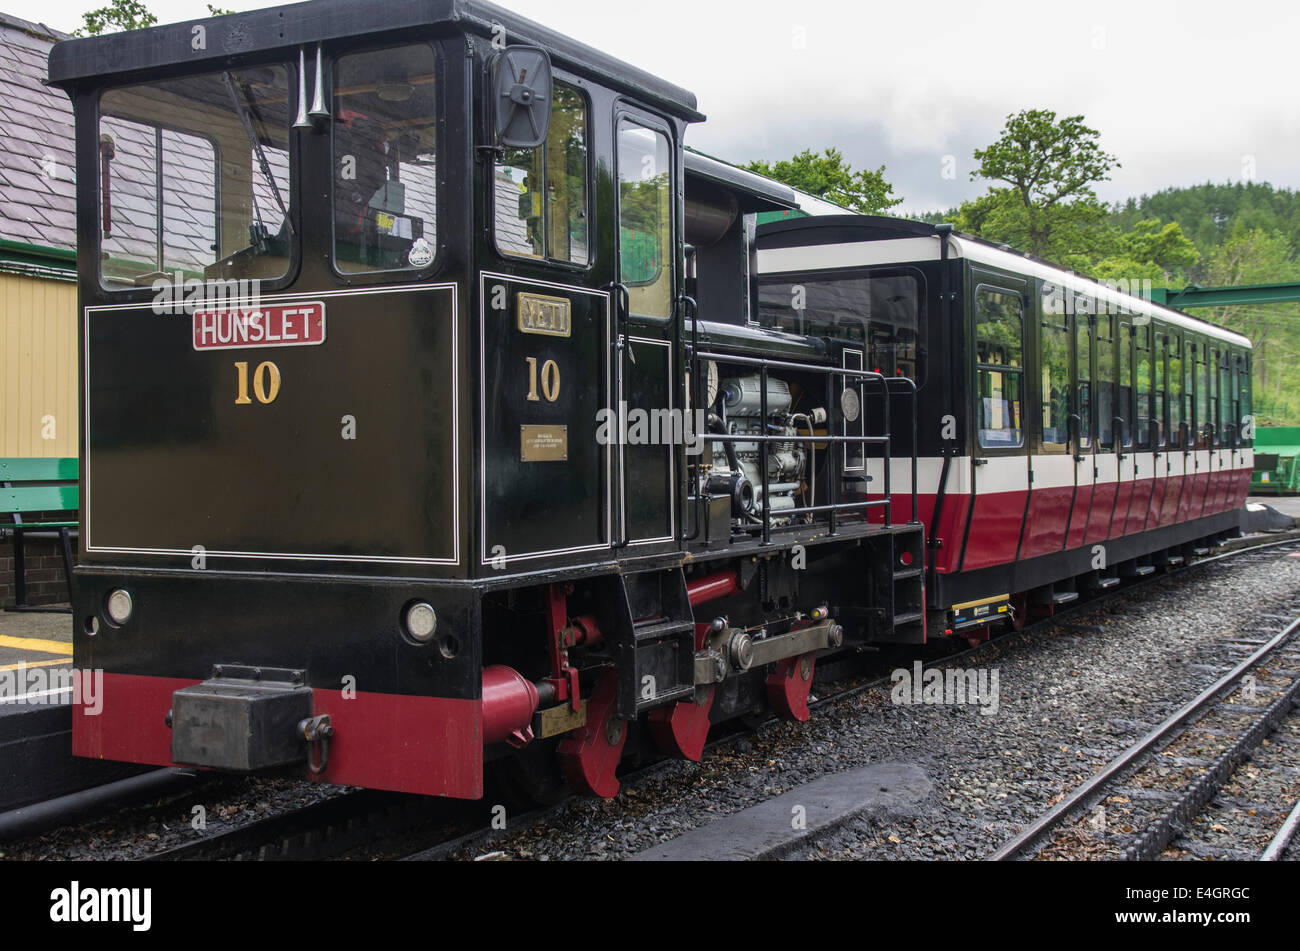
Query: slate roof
[(37, 168)]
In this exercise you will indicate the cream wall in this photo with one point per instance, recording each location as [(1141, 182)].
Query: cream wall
[(38, 367)]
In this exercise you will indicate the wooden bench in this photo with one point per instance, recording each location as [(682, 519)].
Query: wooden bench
[(44, 487)]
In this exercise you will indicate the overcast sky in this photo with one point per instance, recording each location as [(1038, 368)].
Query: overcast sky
[(1182, 91)]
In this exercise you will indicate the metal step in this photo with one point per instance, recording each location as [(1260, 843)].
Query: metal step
[(1104, 583), (1139, 571), (659, 628), (909, 618)]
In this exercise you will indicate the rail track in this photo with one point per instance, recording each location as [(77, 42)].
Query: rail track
[(482, 838), (381, 822), (1144, 833)]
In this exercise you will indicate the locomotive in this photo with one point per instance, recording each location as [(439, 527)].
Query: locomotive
[(440, 409)]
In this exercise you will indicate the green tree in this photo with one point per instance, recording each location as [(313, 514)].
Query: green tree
[(1151, 251), (1252, 256), (828, 176), (1074, 234), (117, 15), (218, 11), (1050, 166)]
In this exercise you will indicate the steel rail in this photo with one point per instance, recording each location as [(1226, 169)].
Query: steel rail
[(1038, 829), (1278, 846)]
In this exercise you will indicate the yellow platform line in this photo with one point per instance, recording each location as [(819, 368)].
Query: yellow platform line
[(38, 663), (44, 645)]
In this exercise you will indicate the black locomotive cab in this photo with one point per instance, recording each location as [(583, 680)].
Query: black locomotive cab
[(425, 400)]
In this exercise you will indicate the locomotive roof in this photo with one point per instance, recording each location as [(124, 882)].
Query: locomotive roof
[(846, 230), (285, 27), (754, 192)]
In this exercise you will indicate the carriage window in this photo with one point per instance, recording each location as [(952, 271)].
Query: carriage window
[(1106, 380), (1189, 391), (195, 178), (541, 193), (882, 311), (1142, 385), (385, 171), (1176, 420), (1083, 353), (1056, 386), (1227, 402), (1203, 417), (1242, 384), (1124, 405), (645, 218), (999, 328), (1159, 425)]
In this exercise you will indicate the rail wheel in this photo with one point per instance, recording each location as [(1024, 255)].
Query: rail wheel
[(589, 756), (681, 728), (788, 687)]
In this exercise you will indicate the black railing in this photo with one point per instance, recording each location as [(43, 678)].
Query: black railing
[(834, 469)]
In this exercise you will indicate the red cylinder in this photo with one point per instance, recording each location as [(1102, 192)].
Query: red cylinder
[(509, 702), (720, 584)]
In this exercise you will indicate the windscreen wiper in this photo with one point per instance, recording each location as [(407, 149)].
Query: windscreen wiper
[(247, 122)]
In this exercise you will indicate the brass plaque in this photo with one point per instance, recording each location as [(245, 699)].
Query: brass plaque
[(551, 316), (556, 720), (544, 443)]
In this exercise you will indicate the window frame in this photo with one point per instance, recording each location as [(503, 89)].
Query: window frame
[(631, 112), (575, 83), (984, 283), (1062, 325), (858, 273), (293, 260), (439, 244)]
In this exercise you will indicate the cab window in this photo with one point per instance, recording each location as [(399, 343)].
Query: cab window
[(541, 193), (645, 218), (195, 178), (385, 159)]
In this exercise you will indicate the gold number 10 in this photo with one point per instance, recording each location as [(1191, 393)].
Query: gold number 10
[(266, 383), (550, 380)]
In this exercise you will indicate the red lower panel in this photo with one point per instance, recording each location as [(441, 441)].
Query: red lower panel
[(1079, 517), (1196, 505), (1103, 506), (1049, 513), (427, 745), (1138, 506), (994, 529), (1173, 490), (1119, 520), (1155, 503)]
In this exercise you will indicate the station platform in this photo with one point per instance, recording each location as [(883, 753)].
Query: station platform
[(31, 642), (1286, 504), (36, 688)]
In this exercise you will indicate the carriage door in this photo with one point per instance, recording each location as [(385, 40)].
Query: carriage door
[(1000, 464), (1124, 431), (644, 301), (1085, 467), (546, 332)]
